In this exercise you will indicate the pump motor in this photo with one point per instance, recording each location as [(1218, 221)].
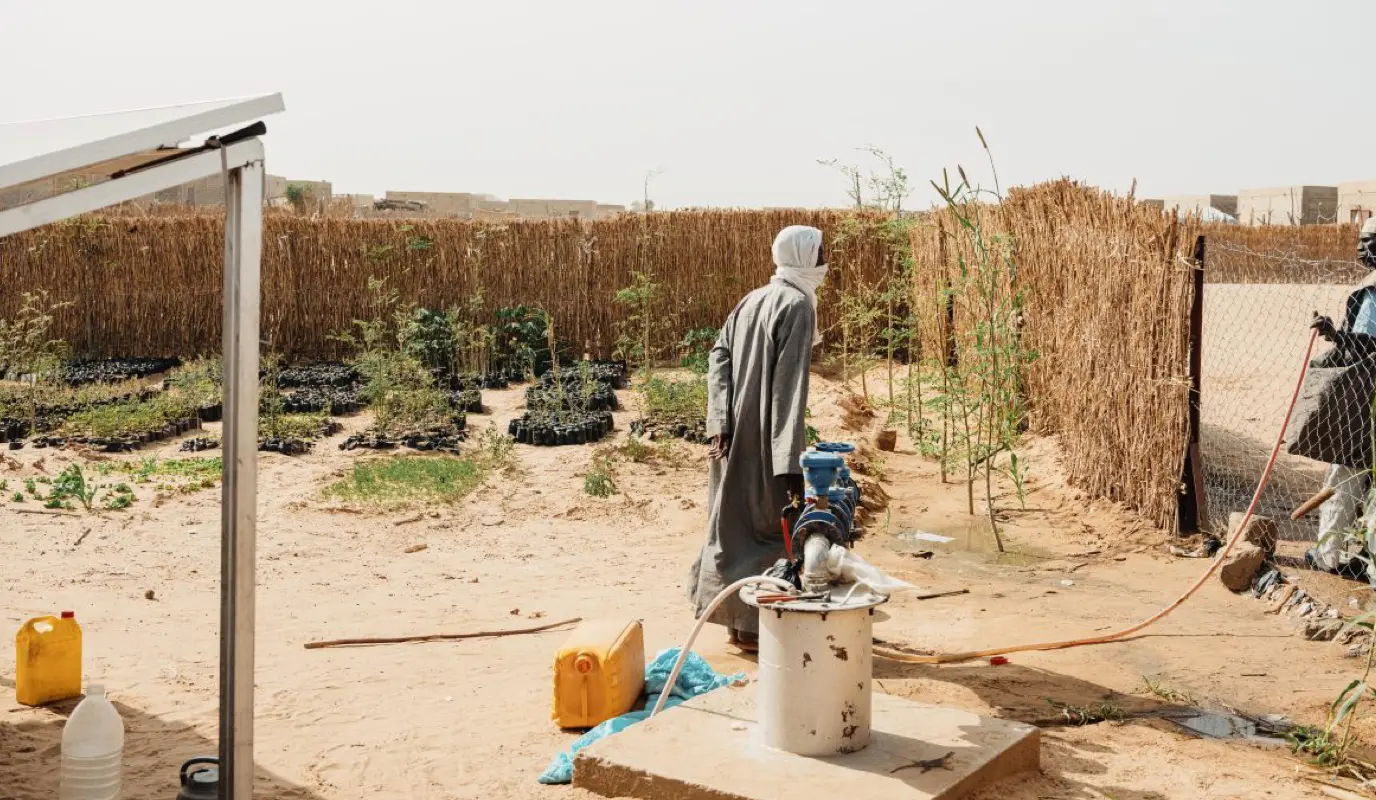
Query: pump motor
[(826, 511)]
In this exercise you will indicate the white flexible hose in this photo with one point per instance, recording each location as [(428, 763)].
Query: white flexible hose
[(778, 583)]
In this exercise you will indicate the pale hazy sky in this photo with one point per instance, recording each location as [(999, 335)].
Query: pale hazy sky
[(735, 99)]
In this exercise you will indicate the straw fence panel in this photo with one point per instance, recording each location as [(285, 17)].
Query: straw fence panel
[(1282, 254), (152, 285), (1106, 290)]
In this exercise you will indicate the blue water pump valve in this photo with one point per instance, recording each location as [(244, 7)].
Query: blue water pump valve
[(832, 497), (823, 464)]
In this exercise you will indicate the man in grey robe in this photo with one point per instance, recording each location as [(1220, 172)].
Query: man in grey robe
[(756, 416), (1332, 422)]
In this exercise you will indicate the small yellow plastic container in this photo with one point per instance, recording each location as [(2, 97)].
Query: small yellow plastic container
[(48, 667), (599, 673)]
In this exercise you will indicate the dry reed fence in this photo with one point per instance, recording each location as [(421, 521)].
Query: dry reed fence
[(1106, 287), (1282, 254), (151, 285)]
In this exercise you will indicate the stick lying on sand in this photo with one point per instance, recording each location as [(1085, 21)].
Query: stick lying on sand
[(935, 595), (1312, 503), (41, 512), (440, 637)]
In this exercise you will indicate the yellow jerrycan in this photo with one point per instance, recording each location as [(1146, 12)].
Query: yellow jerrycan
[(49, 660), (598, 673)]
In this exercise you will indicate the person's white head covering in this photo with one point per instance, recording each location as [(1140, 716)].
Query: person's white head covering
[(795, 262), (1368, 228)]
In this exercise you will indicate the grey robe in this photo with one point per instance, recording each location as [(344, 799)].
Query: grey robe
[(1332, 418), (757, 395)]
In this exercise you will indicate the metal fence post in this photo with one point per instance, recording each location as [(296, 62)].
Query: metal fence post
[(1193, 513)]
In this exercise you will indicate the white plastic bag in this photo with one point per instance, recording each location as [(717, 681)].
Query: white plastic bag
[(847, 566)]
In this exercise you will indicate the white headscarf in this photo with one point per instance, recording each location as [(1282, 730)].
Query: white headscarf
[(795, 259)]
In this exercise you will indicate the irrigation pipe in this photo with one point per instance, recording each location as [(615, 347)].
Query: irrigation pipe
[(778, 583), (947, 658)]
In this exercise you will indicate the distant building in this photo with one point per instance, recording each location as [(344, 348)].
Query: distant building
[(396, 204), (553, 209), (356, 201), (491, 215), (1153, 203), (315, 195), (447, 204), (1196, 203), (210, 191), (1288, 205), (465, 205), (1356, 201)]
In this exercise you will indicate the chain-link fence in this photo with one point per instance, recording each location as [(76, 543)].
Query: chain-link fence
[(1256, 328)]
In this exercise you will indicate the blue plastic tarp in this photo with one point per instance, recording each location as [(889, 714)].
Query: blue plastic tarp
[(1208, 214), (697, 678)]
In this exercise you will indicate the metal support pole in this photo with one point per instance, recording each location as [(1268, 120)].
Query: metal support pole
[(1196, 387), (1193, 513), (239, 511)]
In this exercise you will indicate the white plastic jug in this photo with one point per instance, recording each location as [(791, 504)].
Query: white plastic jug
[(92, 750)]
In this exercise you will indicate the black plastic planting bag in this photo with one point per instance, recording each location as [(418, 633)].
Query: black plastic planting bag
[(1332, 419)]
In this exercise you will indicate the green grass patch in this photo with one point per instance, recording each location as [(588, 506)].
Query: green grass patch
[(636, 450), (175, 474), (406, 479), (413, 479)]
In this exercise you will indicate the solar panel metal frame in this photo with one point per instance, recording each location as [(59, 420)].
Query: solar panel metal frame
[(241, 162)]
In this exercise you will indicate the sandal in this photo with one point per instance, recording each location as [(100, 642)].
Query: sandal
[(1354, 569), (745, 642)]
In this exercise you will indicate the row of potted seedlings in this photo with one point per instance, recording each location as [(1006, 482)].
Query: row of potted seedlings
[(50, 416), (572, 394), (462, 381), (322, 373), (331, 398), (114, 370), (116, 444), (293, 446), (551, 429), (573, 408)]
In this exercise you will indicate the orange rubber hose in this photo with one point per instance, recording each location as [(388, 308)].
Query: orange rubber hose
[(948, 658)]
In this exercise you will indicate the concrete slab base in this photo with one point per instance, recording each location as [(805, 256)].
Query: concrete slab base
[(709, 749)]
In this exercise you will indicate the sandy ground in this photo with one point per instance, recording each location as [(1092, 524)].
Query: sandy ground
[(471, 719), (1254, 341)]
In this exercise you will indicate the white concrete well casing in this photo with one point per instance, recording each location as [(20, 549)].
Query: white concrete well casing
[(815, 672)]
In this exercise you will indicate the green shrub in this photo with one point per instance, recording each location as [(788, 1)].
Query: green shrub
[(695, 347), (429, 338), (72, 484), (676, 401)]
